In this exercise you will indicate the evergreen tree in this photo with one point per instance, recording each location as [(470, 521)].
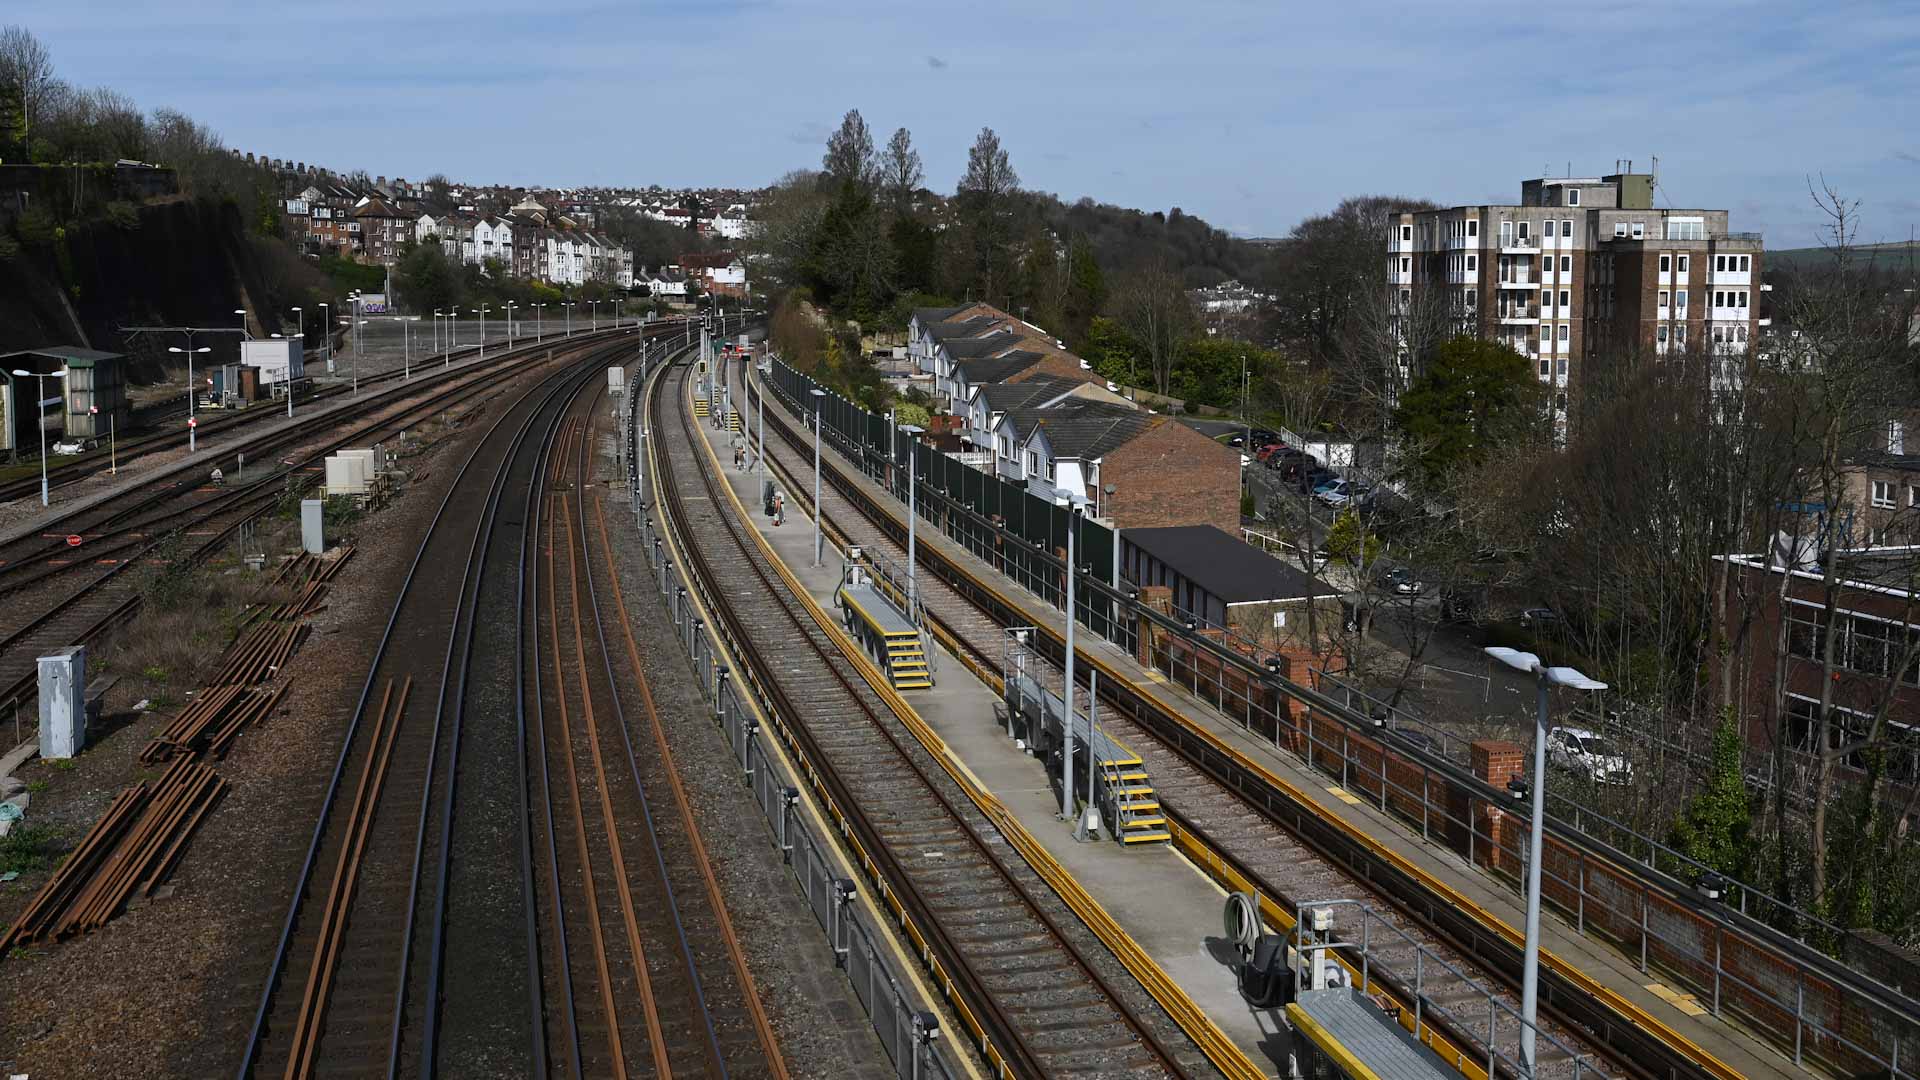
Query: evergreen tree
[(1713, 828)]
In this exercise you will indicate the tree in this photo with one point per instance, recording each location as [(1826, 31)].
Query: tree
[(1151, 304), (427, 280), (900, 172), (1475, 396), (1713, 829), (849, 156), (986, 194), (26, 64)]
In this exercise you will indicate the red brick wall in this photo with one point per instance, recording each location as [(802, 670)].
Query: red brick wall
[(1173, 475)]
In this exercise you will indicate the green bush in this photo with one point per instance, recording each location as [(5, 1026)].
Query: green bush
[(123, 215), (36, 227), (26, 848)]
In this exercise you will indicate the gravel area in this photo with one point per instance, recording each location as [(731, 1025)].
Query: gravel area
[(169, 989), (822, 1029)]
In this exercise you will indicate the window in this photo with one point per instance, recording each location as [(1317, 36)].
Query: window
[(1746, 263), (1473, 227), (1680, 335), (1666, 264), (1660, 333), (1406, 265), (1406, 298), (1546, 367), (1506, 233), (1563, 367), (1619, 230), (1639, 230), (1882, 495), (1406, 233), (1663, 299), (1573, 199), (1566, 297), (1719, 264), (1680, 302), (1719, 299), (1473, 263), (1913, 495), (1546, 264), (1523, 231), (1743, 299), (1684, 260), (1566, 264), (1566, 227), (1473, 299), (1279, 620), (1563, 333)]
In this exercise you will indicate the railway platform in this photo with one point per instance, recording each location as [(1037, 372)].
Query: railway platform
[(1169, 908), (1606, 972)]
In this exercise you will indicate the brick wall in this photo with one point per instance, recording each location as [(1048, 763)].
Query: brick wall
[(1173, 475)]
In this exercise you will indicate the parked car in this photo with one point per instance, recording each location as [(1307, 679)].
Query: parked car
[(1267, 451), (1315, 477), (1401, 581), (1245, 461), (1317, 559), (1584, 753), (1285, 456), (1332, 479), (1538, 619), (1344, 493), (70, 446)]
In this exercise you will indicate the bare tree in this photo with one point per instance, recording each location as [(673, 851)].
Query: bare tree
[(1151, 304), (900, 172), (26, 63), (849, 157)]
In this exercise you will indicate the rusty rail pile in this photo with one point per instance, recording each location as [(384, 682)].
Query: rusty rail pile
[(128, 853), (209, 725)]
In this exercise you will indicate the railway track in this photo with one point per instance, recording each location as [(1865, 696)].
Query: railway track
[(1254, 835), (486, 892), (1046, 996), (40, 613), (211, 423)]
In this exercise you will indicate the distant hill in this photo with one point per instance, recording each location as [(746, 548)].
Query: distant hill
[(1900, 255)]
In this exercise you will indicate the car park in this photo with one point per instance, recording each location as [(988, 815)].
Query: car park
[(1584, 753), (1342, 494), (1315, 477)]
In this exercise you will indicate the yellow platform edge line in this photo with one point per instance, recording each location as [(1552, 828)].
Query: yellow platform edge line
[(1213, 1042), (1627, 1010)]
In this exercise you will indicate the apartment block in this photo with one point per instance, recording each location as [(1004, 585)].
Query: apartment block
[(1582, 267)]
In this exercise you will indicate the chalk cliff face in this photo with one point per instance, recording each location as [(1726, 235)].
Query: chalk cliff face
[(188, 262)]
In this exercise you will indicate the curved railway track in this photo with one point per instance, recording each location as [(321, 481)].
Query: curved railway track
[(1046, 996), (1254, 836), (445, 923)]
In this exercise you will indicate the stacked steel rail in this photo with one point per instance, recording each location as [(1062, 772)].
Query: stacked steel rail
[(1037, 996)]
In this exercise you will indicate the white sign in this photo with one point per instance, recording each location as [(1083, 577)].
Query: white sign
[(373, 303), (55, 400)]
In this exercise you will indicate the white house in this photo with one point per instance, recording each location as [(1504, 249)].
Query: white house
[(493, 239)]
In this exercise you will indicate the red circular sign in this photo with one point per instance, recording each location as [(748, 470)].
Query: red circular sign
[(194, 422), (73, 540)]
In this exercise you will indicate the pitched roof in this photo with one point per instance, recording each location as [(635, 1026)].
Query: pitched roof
[(927, 316), (986, 370), (1089, 429), (1032, 393), (964, 328), (1235, 572)]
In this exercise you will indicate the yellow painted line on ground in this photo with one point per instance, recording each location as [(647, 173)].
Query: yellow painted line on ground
[(1213, 1042), (1628, 1010), (1686, 1003), (1343, 1058), (1343, 795)]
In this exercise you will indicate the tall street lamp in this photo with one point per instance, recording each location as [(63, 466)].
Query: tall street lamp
[(569, 306), (766, 369), (1546, 678), (538, 314), (913, 597), (193, 391), (1066, 726), (300, 317), (326, 334), (242, 312), (510, 306), (41, 401), (482, 312), (818, 394)]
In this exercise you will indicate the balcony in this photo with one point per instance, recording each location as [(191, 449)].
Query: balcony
[(1518, 281), (1519, 314), (1519, 245)]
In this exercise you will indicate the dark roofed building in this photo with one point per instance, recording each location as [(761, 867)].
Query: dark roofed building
[(1219, 581)]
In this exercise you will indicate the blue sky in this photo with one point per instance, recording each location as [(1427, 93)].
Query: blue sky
[(1252, 115)]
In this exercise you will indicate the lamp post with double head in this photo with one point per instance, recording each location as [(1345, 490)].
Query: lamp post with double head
[(482, 312), (40, 400), (538, 312), (510, 306), (569, 306), (818, 395), (1545, 679), (326, 334), (193, 391)]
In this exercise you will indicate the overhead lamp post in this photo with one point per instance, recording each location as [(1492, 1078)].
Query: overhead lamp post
[(1546, 678), (242, 312), (913, 596), (1066, 767), (537, 314), (765, 370), (40, 415), (818, 394), (510, 306), (193, 391), (300, 318), (326, 334), (569, 306), (406, 346), (482, 312)]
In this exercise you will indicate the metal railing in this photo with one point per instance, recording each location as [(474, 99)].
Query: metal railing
[(1782, 986)]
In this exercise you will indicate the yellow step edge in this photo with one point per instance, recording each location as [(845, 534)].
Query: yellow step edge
[(1144, 823), (1143, 838)]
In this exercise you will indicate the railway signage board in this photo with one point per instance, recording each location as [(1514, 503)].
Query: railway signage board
[(73, 540)]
